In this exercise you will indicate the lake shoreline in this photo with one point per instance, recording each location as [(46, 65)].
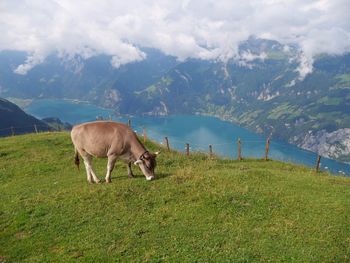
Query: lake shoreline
[(198, 129)]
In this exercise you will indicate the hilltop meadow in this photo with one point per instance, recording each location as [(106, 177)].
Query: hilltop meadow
[(197, 210)]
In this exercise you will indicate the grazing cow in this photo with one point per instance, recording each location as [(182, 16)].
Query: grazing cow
[(114, 141)]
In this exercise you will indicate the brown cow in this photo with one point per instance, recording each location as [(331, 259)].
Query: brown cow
[(115, 141)]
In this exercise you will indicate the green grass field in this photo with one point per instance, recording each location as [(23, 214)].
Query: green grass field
[(198, 210)]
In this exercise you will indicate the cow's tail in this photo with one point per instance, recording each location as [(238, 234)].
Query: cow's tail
[(76, 158)]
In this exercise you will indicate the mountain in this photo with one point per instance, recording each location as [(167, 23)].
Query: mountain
[(261, 89), (94, 80), (13, 120), (267, 97)]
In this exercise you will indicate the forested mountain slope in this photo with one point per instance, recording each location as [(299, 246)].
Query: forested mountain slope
[(263, 89)]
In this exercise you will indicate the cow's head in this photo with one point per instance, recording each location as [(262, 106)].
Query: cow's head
[(147, 163)]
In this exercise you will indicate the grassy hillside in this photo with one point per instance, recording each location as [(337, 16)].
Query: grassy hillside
[(197, 210)]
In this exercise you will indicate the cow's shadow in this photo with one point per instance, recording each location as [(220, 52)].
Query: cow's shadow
[(159, 176), (162, 175)]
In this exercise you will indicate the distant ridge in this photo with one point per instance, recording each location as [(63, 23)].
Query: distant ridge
[(13, 119), (265, 90)]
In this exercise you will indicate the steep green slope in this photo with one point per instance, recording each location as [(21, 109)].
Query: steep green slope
[(197, 209), (12, 116)]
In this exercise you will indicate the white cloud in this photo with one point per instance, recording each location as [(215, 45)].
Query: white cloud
[(305, 66), (31, 61), (249, 56), (205, 29)]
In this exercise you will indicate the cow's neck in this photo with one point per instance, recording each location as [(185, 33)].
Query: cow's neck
[(137, 150)]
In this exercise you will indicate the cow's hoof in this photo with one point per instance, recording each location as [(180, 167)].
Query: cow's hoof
[(108, 181), (130, 176)]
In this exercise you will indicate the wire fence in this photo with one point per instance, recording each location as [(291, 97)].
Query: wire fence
[(240, 149), (237, 148), (17, 130)]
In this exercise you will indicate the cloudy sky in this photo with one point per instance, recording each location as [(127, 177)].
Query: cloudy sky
[(189, 28)]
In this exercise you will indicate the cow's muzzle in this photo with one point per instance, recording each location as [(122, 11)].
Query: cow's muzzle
[(149, 178)]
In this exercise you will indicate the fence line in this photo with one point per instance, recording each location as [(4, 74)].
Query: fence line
[(201, 148), (187, 146), (22, 127)]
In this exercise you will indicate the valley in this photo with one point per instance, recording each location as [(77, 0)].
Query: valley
[(263, 90)]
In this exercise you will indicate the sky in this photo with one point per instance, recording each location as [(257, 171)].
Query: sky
[(202, 29)]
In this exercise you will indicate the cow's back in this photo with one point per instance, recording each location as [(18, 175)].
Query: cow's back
[(100, 138)]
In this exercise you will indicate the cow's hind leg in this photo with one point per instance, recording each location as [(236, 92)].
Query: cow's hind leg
[(88, 174), (130, 173), (110, 166), (85, 157), (88, 165)]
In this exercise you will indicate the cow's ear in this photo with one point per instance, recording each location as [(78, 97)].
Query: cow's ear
[(137, 162)]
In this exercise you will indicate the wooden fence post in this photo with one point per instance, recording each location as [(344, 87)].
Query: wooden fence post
[(267, 147), (318, 163), (144, 135), (187, 149), (166, 142), (239, 149), (13, 131), (35, 128), (210, 151)]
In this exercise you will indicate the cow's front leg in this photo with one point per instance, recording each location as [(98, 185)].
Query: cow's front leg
[(130, 174), (110, 167)]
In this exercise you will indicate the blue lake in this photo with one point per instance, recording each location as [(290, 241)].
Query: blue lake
[(198, 131)]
